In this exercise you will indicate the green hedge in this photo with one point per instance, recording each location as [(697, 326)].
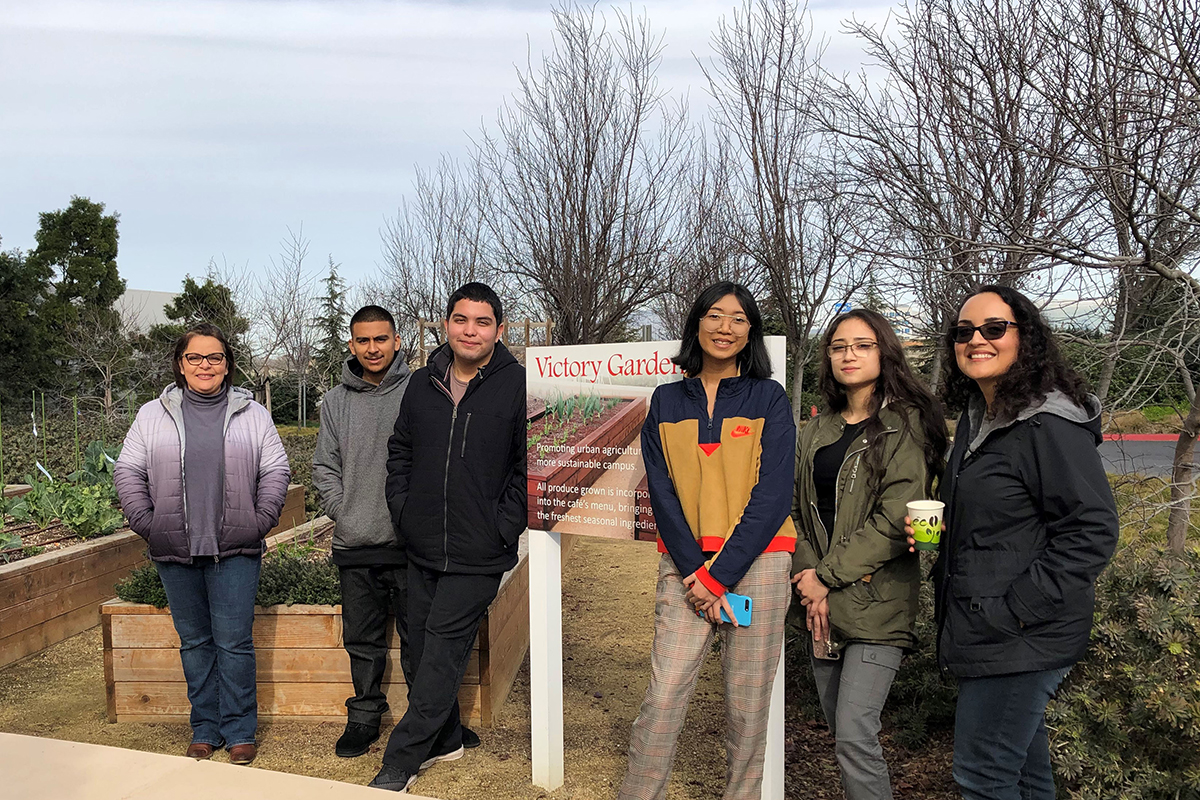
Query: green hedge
[(291, 574)]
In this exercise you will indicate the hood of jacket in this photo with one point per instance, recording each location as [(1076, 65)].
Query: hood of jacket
[(172, 400), (1055, 402), (352, 376)]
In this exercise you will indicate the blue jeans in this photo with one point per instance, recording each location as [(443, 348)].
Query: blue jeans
[(212, 606), (1001, 750)]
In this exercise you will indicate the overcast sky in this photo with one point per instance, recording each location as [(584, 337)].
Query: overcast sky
[(212, 126)]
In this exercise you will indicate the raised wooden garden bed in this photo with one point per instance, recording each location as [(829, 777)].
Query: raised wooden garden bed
[(303, 670), (561, 477), (50, 597)]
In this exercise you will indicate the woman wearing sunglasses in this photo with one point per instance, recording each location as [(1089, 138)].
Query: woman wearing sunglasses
[(202, 476), (877, 446), (718, 448), (1030, 522)]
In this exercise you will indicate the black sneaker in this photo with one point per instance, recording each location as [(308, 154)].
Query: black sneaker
[(356, 740), (393, 779), (470, 738)]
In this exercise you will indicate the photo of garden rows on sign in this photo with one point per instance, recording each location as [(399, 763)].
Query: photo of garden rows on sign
[(586, 407)]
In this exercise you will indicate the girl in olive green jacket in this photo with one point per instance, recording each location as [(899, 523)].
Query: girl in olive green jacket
[(874, 449)]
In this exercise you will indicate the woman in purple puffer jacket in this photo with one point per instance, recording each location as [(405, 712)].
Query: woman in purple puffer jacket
[(202, 478)]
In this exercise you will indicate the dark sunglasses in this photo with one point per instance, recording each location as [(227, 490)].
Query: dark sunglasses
[(963, 333)]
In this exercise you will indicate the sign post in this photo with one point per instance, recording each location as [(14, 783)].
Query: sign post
[(545, 658)]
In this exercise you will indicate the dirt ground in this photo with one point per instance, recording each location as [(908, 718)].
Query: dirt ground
[(608, 605)]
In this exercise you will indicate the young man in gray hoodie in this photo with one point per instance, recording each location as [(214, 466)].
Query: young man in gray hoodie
[(349, 470)]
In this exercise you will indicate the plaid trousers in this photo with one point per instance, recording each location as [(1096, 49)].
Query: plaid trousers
[(749, 657)]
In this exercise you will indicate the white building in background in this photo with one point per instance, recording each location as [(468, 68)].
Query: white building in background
[(142, 309)]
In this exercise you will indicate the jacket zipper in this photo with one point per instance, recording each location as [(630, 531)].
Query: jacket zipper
[(466, 425)]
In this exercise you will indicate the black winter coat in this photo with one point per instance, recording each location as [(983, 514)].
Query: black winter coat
[(1030, 524), (456, 482)]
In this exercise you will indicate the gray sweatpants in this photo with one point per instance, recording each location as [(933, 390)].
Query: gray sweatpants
[(853, 690)]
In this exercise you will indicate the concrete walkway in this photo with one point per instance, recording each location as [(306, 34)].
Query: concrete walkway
[(34, 768)]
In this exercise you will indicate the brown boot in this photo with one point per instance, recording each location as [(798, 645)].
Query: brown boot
[(199, 751), (242, 753)]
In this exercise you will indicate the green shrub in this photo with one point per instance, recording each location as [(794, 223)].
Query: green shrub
[(143, 586), (290, 575), (1126, 722), (1160, 413), (922, 699)]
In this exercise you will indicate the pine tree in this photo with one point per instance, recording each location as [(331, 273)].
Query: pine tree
[(331, 349)]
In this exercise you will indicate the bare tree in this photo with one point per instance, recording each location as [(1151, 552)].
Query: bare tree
[(433, 245), (704, 247), (582, 175), (799, 215), (962, 161), (289, 307), (100, 347), (1126, 79)]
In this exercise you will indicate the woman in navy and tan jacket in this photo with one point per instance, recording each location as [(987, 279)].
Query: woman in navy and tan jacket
[(719, 452)]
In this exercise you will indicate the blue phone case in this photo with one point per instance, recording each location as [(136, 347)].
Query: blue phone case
[(741, 605)]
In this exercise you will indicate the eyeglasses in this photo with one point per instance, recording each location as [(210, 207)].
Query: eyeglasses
[(859, 349), (215, 359), (712, 321), (993, 330)]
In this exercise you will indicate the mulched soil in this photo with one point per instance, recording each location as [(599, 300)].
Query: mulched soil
[(608, 617), (55, 537)]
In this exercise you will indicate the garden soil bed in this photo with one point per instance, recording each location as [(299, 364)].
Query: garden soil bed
[(303, 669), (51, 596), (60, 693)]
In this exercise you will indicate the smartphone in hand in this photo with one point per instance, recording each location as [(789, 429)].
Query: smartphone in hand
[(742, 607)]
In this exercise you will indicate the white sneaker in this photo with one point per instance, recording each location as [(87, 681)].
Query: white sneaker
[(453, 755)]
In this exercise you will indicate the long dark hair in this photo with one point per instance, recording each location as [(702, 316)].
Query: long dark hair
[(203, 329), (1039, 369), (752, 360), (896, 386)]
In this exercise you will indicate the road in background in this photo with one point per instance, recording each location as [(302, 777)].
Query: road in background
[(1148, 458)]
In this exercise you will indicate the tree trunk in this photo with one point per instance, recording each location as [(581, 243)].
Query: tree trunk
[(935, 372), (1182, 488), (1106, 370), (797, 353), (267, 392)]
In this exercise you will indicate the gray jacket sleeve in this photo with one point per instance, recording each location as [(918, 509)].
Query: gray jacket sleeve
[(132, 481), (327, 464), (273, 476)]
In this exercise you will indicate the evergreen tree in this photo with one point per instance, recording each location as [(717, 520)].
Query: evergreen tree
[(77, 245), (24, 288), (331, 348)]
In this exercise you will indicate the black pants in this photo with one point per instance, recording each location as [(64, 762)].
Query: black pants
[(369, 596), (444, 612)]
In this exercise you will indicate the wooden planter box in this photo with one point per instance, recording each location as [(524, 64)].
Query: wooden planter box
[(552, 487), (56, 595), (303, 670)]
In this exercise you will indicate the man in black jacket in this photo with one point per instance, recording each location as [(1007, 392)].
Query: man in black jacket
[(457, 495)]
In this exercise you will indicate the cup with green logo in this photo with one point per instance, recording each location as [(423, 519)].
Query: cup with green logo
[(926, 522)]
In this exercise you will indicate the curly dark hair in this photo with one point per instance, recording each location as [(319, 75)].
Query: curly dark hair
[(1039, 368), (896, 385)]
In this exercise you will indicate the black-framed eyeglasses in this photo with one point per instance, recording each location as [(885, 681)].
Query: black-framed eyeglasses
[(991, 330), (858, 348), (215, 359)]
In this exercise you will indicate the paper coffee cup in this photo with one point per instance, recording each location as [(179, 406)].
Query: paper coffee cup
[(926, 516)]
